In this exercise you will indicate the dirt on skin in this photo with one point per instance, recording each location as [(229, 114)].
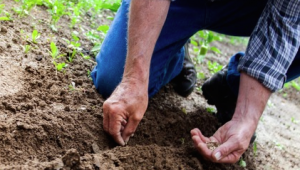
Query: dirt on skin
[(47, 122)]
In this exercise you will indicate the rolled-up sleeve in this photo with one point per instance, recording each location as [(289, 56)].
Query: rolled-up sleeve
[(273, 44)]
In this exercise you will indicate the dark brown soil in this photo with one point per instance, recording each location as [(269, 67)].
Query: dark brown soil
[(46, 124)]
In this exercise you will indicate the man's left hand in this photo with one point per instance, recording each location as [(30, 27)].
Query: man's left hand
[(233, 139)]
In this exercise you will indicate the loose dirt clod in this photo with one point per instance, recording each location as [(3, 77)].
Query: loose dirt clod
[(71, 159), (212, 145)]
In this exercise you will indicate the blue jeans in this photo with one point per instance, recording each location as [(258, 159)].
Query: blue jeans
[(185, 18)]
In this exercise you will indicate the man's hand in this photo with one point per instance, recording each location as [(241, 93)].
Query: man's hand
[(233, 138), (124, 110)]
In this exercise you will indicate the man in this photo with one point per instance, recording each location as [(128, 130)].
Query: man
[(147, 37)]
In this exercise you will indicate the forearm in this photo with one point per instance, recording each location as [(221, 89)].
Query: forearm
[(146, 19), (252, 99)]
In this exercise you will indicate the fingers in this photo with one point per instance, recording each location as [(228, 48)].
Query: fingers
[(130, 127), (200, 143), (229, 152), (113, 122), (115, 127), (197, 132), (105, 117)]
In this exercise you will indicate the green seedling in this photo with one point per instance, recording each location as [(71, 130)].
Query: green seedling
[(55, 55), (103, 28), (242, 163), (214, 67), (202, 44), (278, 145), (182, 141), (26, 48), (200, 75), (89, 74), (85, 56), (72, 86), (7, 15), (184, 110), (255, 148), (211, 110), (294, 120), (35, 36)]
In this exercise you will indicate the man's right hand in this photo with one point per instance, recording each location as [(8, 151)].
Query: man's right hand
[(124, 109)]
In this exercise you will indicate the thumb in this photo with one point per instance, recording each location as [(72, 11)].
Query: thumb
[(228, 152)]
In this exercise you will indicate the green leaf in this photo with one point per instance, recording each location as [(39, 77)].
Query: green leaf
[(35, 36), (255, 148), (103, 28), (296, 85), (203, 50), (60, 66), (200, 75), (110, 18), (96, 48), (242, 163), (210, 37), (215, 49), (4, 19), (54, 50), (194, 43)]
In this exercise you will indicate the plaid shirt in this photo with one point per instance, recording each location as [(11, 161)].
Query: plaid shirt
[(273, 44)]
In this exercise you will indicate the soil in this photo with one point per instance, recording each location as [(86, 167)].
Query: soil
[(45, 124)]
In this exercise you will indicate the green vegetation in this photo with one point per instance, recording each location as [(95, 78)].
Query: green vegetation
[(55, 56), (202, 44), (242, 163), (77, 10), (255, 148), (6, 16), (35, 36), (26, 48), (295, 84)]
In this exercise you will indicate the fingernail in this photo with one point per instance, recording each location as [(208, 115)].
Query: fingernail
[(218, 156), (122, 143), (126, 141)]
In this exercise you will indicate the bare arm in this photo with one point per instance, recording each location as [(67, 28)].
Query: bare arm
[(127, 105), (235, 135), (146, 19)]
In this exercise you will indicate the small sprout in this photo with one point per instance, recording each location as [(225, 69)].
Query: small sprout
[(200, 75), (26, 48), (85, 56), (214, 67), (270, 104), (184, 110), (103, 28), (242, 163), (211, 110), (72, 86), (255, 148), (278, 145), (203, 50), (294, 120), (35, 36), (182, 141), (261, 119)]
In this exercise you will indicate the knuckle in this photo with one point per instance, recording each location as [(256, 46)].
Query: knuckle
[(106, 105), (241, 145), (137, 117)]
